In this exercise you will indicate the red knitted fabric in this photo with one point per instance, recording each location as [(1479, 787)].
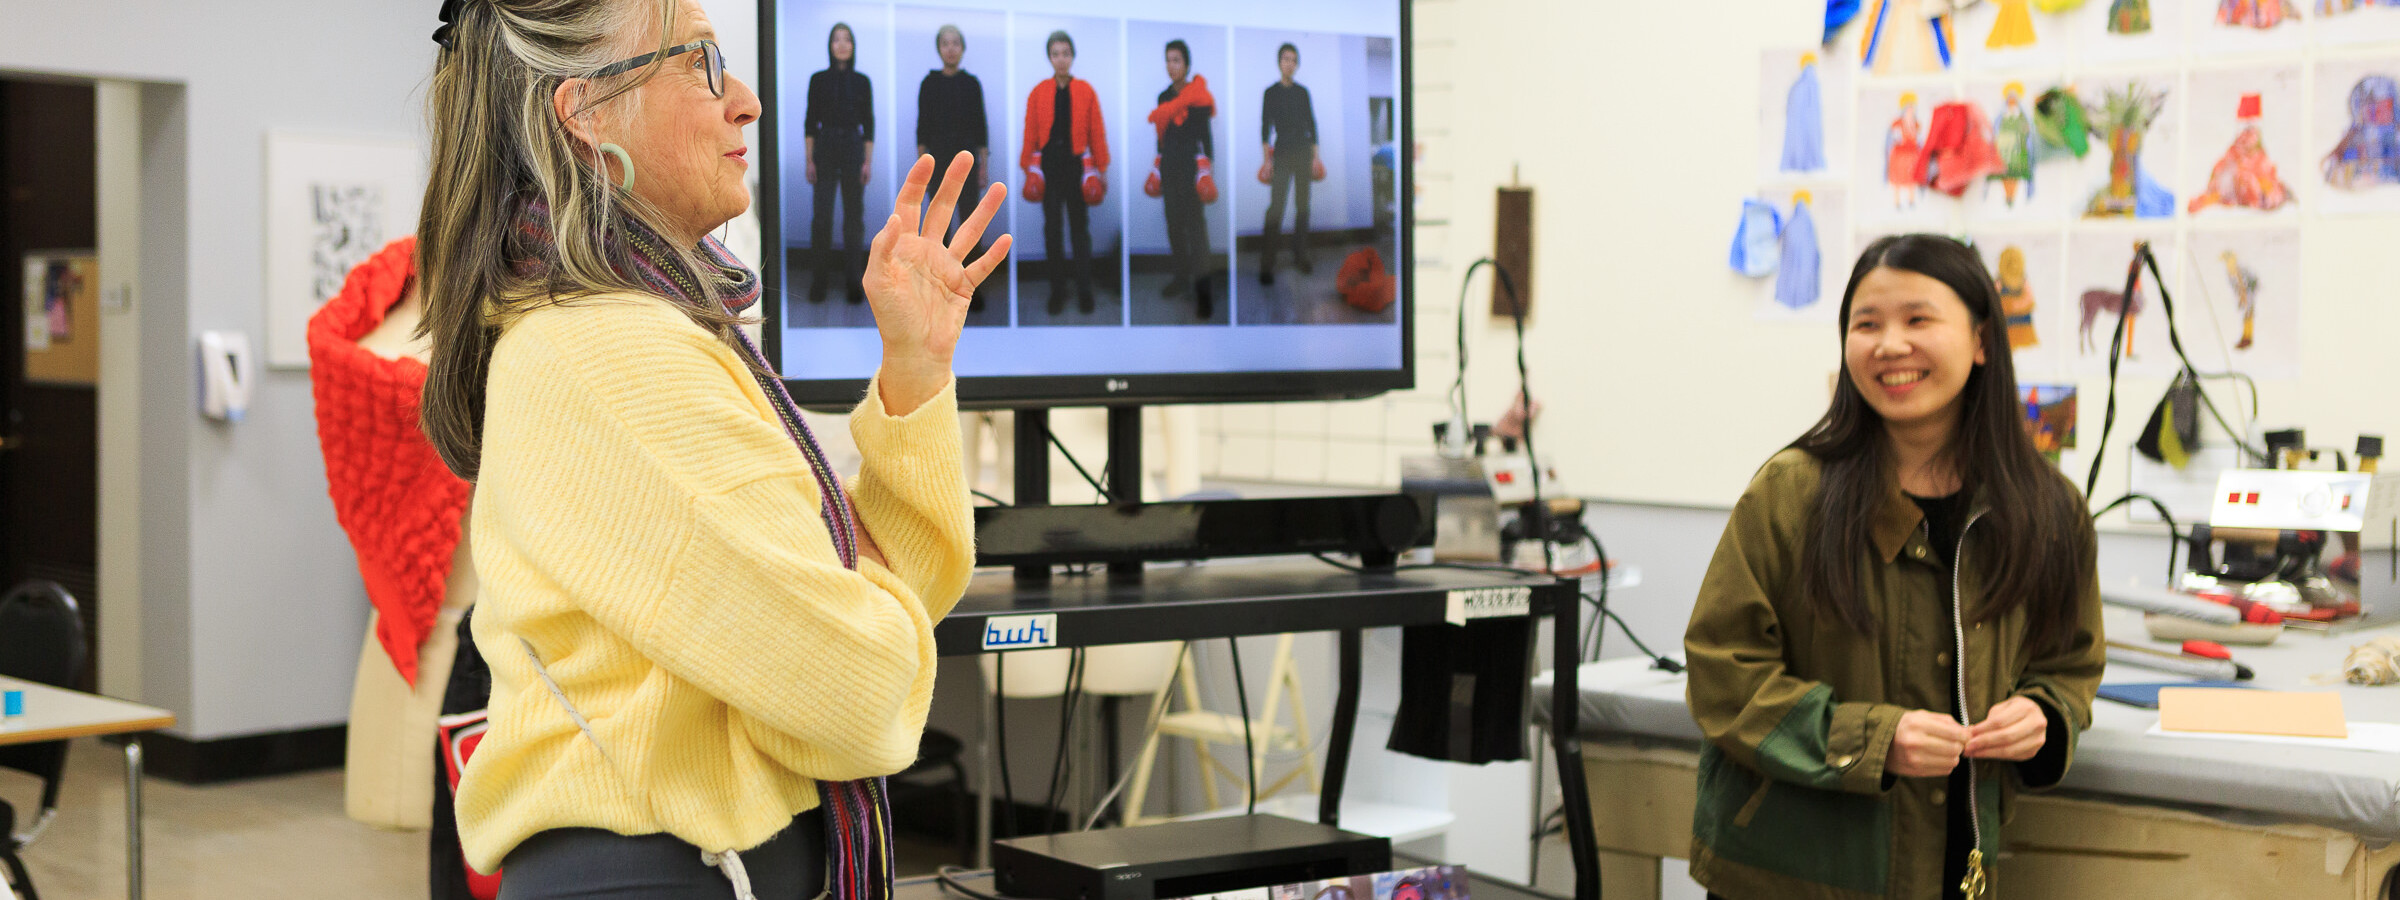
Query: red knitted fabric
[(391, 493)]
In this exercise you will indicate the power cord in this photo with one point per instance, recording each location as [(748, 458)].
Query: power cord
[(954, 878), (1158, 712), (2116, 347), (1059, 769), (1008, 790), (1052, 436), (1241, 693), (2175, 535)]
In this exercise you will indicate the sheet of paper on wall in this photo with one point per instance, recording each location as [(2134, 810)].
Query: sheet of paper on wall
[(2353, 22), (1890, 169), (2247, 318), (1812, 256), (2097, 256), (2247, 156), (2355, 136), (1803, 110)]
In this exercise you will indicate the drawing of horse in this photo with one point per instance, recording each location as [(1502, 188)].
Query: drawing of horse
[(2097, 301)]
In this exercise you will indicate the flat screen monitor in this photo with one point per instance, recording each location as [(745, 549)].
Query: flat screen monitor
[(1235, 235)]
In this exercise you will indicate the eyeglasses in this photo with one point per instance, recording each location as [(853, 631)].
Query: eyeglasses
[(711, 56)]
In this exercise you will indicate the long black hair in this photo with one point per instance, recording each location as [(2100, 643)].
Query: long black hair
[(2035, 528)]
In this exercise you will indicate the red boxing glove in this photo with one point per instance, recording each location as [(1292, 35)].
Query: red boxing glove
[(1095, 186), (1206, 183), (1033, 186), (1316, 170), (1266, 172), (1153, 187)]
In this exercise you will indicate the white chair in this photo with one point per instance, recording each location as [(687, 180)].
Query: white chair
[(1203, 727)]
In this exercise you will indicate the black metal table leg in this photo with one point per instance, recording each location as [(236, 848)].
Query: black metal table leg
[(1345, 722)]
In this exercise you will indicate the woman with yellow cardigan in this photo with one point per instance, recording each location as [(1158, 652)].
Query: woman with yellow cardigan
[(706, 650)]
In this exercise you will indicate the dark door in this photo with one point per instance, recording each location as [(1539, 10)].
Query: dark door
[(49, 471)]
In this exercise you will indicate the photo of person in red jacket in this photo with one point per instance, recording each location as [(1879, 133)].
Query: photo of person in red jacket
[(1183, 178), (1065, 161)]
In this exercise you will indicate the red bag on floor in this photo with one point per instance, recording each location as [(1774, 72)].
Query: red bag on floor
[(460, 735), (1362, 281)]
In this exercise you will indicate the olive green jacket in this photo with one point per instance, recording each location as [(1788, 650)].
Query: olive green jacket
[(1799, 708)]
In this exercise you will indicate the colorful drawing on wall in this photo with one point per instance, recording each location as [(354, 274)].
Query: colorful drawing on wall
[(2369, 153), (1758, 240), (1797, 281), (2129, 17), (2125, 120), (2050, 417), (2016, 299), (1958, 148), (2057, 6), (2248, 317), (1804, 121), (2099, 300), (1904, 155), (2244, 176), (2014, 28), (61, 317), (1901, 39), (2058, 118), (2260, 14), (2012, 140)]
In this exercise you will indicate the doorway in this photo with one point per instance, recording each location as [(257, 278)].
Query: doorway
[(49, 411)]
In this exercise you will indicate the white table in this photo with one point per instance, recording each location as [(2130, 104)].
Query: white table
[(57, 714), (2138, 815)]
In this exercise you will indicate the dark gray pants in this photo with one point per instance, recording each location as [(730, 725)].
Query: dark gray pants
[(591, 863)]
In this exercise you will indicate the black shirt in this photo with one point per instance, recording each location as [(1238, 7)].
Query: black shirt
[(1062, 116), (1192, 138), (841, 114), (950, 114), (1289, 119)]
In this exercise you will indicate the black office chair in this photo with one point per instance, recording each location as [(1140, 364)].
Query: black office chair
[(41, 640)]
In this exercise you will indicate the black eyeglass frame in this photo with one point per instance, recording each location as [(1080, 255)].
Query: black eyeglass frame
[(709, 51)]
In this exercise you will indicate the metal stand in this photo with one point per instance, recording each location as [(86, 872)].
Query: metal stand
[(133, 817), (1125, 473), (1033, 475)]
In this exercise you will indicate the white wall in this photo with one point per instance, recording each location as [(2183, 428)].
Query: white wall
[(252, 612), (1637, 126)]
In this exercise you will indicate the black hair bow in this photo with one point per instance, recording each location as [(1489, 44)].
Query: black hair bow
[(442, 35)]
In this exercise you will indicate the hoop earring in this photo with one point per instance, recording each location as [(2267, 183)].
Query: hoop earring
[(623, 159)]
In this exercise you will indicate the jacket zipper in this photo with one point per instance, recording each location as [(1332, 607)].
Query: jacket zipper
[(1973, 887)]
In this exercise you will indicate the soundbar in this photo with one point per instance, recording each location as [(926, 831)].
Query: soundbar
[(1376, 527)]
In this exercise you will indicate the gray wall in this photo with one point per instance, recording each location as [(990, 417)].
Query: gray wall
[(253, 612)]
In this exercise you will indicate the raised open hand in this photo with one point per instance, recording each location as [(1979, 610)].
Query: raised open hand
[(920, 287)]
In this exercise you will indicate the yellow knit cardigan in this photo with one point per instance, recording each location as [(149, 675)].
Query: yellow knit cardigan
[(643, 521)]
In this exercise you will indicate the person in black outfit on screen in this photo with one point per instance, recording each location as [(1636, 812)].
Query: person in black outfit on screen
[(1288, 134), (840, 129), (1184, 150), (950, 120)]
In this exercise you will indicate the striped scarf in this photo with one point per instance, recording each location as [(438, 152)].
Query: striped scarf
[(858, 819)]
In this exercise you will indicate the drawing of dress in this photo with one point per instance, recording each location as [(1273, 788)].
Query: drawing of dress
[(2260, 14), (1804, 124), (2129, 17), (2014, 27), (2244, 176), (1902, 40), (1796, 279), (2016, 299), (2012, 138), (1904, 157), (2245, 294), (2369, 154)]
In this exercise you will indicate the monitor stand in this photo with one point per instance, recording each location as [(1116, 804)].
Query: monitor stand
[(1033, 474)]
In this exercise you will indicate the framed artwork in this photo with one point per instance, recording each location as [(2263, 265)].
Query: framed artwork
[(331, 202)]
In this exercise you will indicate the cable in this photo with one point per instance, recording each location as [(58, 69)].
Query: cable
[(2175, 535), (1008, 790), (1066, 722), (1241, 694), (2133, 281), (1158, 713), (1105, 496), (952, 878)]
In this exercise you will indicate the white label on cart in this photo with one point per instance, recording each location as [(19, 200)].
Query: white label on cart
[(1020, 632), (1488, 603)]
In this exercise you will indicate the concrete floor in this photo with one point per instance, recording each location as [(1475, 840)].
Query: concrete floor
[(268, 837)]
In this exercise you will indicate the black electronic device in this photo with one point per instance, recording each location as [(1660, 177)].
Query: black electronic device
[(1376, 527), (853, 89), (1182, 859)]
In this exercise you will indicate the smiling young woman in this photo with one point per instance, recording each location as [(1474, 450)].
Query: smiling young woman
[(1901, 626)]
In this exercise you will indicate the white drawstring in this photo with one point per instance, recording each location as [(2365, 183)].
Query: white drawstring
[(728, 862)]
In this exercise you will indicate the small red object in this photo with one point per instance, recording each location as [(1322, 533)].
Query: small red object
[(1505, 477), (2249, 108), (2235, 497), (2251, 498), (2206, 649)]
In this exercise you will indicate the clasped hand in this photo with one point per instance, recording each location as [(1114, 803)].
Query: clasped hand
[(1928, 744)]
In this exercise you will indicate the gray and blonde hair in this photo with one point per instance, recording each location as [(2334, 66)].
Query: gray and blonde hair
[(499, 146)]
